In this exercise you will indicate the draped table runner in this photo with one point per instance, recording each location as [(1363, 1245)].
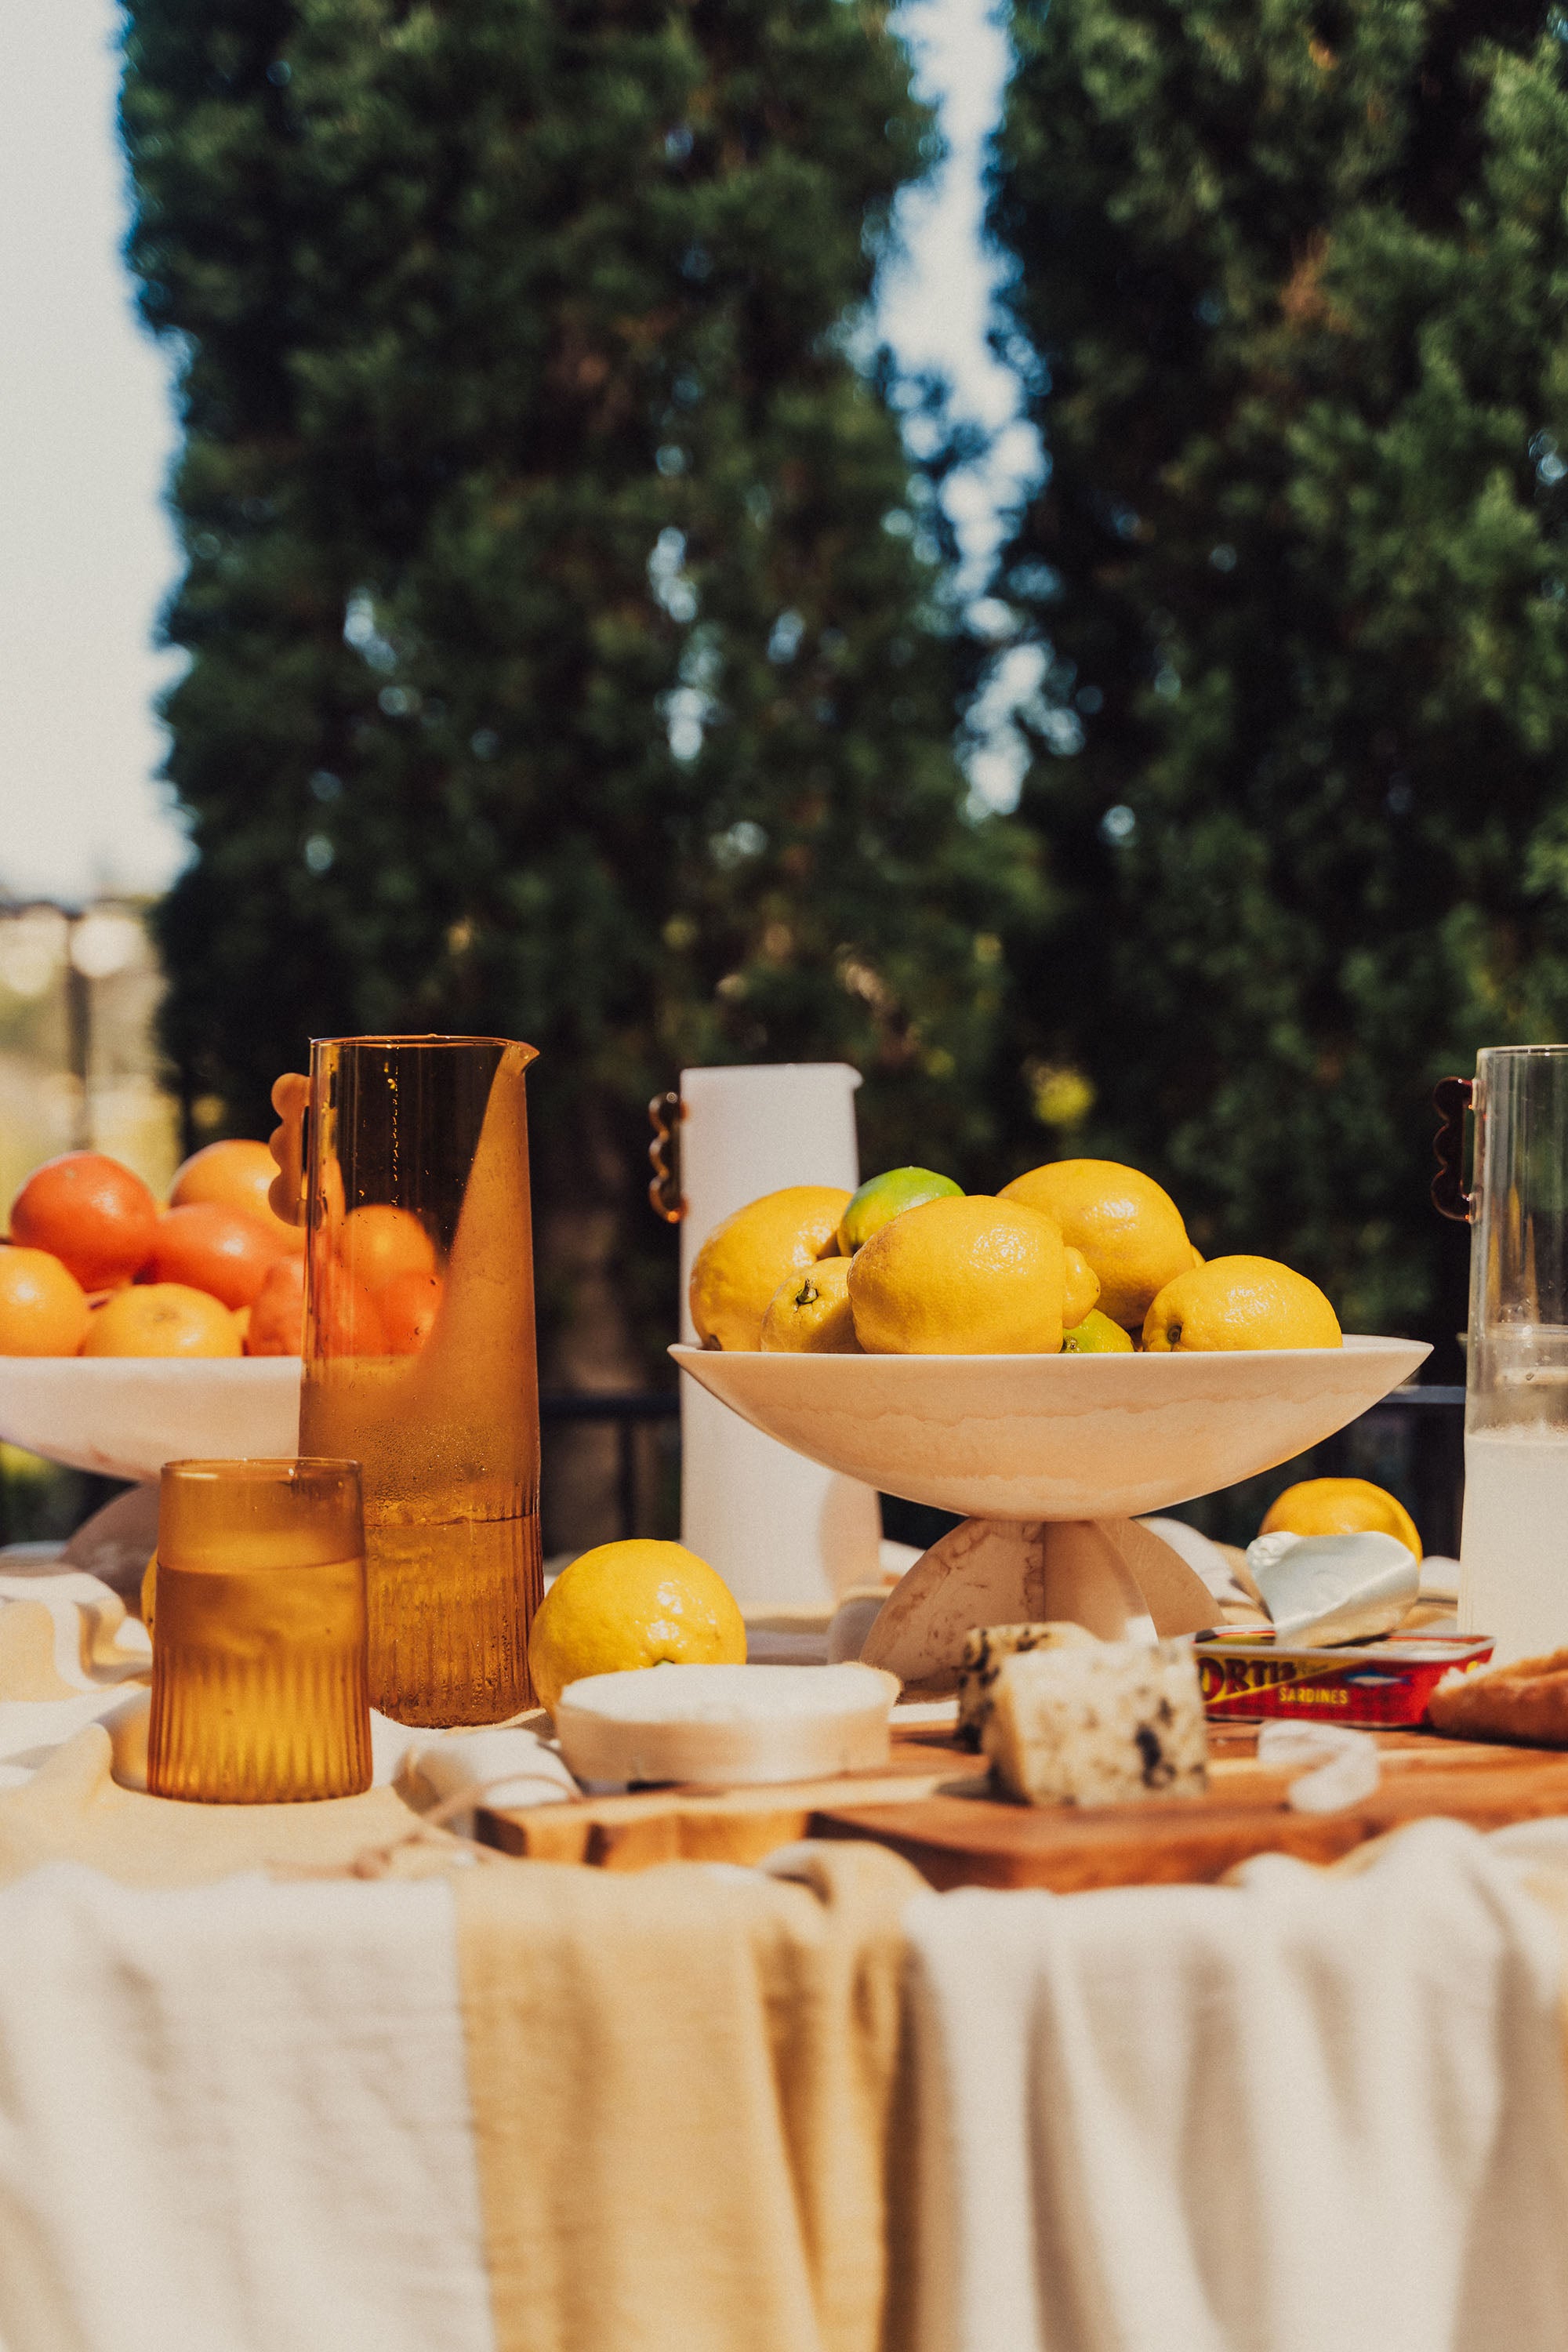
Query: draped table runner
[(250, 2098)]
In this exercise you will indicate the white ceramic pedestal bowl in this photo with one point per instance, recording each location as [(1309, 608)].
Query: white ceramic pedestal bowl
[(125, 1416), (1027, 1444)]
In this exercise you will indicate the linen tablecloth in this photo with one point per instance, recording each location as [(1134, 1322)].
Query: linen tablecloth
[(1311, 2111), (320, 2076), (249, 2099)]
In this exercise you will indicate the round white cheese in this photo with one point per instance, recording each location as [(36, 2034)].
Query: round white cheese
[(726, 1725)]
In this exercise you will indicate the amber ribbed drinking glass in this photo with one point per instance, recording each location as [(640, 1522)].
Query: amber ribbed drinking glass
[(259, 1693)]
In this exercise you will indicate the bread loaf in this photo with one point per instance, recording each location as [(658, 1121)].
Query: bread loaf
[(1527, 1703)]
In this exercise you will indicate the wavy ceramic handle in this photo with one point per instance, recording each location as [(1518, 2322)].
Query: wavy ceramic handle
[(291, 1100), (1452, 1098), (664, 1114)]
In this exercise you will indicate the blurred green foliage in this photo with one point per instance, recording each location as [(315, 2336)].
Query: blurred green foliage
[(567, 653), (41, 1502), (1289, 304)]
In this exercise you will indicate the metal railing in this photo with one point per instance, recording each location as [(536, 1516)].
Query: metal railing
[(626, 1411)]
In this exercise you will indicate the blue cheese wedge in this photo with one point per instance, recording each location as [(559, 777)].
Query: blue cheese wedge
[(1112, 1724), (983, 1650)]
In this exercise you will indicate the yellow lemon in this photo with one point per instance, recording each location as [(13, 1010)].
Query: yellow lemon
[(633, 1604), (1241, 1302), (1097, 1335), (743, 1261), (1127, 1227), (1340, 1506), (967, 1277), (1080, 1287), (809, 1312)]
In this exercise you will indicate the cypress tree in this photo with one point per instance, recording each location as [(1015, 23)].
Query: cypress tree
[(1289, 298), (566, 654)]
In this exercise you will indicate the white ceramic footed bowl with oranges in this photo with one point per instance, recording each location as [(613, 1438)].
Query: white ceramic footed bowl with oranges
[(125, 1416), (1055, 1437)]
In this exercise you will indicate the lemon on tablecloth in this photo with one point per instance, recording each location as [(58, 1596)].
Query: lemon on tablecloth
[(637, 1604), (1339, 1506)]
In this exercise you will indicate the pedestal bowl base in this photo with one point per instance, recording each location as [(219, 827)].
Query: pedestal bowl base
[(1120, 1580)]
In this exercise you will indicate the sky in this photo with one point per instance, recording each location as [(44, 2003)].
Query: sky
[(87, 435)]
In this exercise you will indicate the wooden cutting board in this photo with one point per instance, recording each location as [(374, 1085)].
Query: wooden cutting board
[(741, 1825), (934, 1805)]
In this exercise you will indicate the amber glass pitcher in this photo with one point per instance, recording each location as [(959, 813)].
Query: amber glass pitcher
[(419, 1352)]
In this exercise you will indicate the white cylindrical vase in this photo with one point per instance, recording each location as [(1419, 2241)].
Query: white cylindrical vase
[(780, 1530)]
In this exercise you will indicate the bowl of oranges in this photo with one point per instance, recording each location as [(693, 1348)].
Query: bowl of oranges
[(132, 1333), (1058, 1351)]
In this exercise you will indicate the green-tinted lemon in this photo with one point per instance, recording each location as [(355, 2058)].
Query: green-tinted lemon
[(1097, 1335), (882, 1198)]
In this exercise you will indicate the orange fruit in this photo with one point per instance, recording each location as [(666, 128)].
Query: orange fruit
[(91, 1213), (408, 1307), (378, 1243), (277, 1324), (347, 1316), (235, 1175), (225, 1250), (43, 1307), (162, 1319)]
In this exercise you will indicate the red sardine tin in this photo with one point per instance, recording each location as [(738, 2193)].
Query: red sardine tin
[(1367, 1682)]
